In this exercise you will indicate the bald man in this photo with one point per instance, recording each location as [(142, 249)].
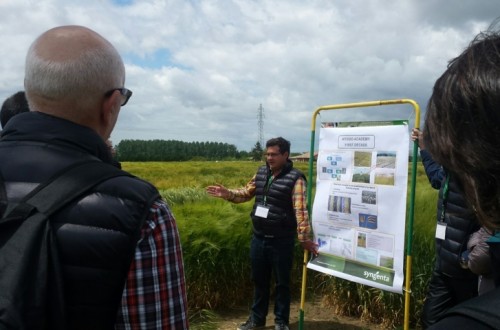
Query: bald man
[(74, 83)]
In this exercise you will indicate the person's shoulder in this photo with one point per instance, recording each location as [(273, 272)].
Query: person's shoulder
[(135, 181), (131, 186), (298, 172), (262, 168)]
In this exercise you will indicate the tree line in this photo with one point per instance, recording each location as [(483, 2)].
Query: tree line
[(173, 150)]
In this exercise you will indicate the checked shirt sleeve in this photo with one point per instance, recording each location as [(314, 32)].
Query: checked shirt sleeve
[(300, 207), (244, 194), (155, 292)]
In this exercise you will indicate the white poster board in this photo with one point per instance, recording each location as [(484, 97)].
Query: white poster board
[(359, 209)]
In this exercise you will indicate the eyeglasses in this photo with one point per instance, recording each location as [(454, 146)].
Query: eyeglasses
[(126, 94)]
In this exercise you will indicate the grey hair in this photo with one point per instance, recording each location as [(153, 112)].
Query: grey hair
[(82, 78)]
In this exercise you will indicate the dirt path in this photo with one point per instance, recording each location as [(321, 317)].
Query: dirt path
[(315, 318)]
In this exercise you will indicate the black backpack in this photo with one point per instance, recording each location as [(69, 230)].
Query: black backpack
[(480, 312), (30, 273)]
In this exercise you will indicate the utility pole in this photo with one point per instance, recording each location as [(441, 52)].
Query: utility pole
[(260, 123)]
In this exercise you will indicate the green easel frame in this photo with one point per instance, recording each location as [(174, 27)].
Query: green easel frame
[(411, 210)]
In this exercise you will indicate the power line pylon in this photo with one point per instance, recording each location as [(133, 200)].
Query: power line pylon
[(260, 123)]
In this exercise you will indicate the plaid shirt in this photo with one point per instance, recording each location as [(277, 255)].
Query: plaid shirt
[(155, 292), (298, 198)]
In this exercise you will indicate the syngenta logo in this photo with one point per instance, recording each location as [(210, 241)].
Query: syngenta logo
[(376, 276)]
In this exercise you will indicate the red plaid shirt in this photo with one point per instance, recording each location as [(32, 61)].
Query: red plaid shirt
[(155, 292)]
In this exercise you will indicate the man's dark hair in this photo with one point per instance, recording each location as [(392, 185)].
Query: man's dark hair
[(13, 105), (283, 145)]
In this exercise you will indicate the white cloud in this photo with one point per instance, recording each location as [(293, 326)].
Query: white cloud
[(199, 69)]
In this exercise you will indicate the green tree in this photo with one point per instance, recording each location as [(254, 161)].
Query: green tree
[(257, 152), (173, 150)]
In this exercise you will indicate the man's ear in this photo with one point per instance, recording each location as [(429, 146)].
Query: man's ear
[(108, 113)]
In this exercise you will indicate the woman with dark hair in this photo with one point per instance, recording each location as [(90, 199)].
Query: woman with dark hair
[(451, 282), (462, 124), (462, 121)]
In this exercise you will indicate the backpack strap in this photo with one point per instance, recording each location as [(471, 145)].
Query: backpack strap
[(75, 181), (3, 196), (62, 188)]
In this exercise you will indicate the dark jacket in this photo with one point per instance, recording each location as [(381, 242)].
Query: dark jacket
[(460, 221), (281, 220), (96, 235)]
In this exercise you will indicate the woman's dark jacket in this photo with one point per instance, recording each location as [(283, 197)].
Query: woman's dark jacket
[(460, 221)]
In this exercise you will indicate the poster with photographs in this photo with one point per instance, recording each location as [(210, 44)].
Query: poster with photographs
[(359, 208)]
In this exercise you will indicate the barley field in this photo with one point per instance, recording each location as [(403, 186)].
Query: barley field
[(215, 236)]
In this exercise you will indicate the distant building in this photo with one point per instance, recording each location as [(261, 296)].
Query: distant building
[(304, 157)]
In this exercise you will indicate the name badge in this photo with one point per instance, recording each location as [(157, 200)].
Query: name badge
[(441, 230), (262, 211)]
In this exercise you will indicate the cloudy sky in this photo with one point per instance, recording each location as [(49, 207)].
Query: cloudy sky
[(201, 69)]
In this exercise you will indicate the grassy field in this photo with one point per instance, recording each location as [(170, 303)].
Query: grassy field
[(216, 241)]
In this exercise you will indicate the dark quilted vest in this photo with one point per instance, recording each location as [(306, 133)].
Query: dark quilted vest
[(460, 223), (281, 221)]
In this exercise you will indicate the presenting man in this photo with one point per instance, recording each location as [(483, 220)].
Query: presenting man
[(74, 83), (279, 213)]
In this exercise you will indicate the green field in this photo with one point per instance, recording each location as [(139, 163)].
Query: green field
[(363, 158), (216, 236)]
